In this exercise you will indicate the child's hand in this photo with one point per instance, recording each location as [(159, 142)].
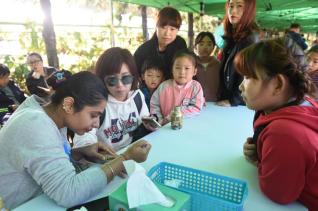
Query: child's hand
[(150, 123), (250, 151), (225, 103)]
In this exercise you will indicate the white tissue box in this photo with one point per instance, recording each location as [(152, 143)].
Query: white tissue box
[(118, 200)]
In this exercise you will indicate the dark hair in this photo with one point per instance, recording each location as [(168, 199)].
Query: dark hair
[(186, 53), (85, 87), (152, 63), (272, 57), (111, 61), (169, 16), (36, 55), (201, 35), (4, 70), (294, 25), (246, 25), (313, 49)]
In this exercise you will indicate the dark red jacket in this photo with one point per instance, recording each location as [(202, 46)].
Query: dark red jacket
[(288, 154)]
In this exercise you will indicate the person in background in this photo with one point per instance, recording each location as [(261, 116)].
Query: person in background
[(294, 33), (284, 146), (209, 68), (315, 42), (126, 105), (179, 91), (240, 31), (36, 80), (312, 58), (152, 76), (164, 43), (11, 95), (36, 158)]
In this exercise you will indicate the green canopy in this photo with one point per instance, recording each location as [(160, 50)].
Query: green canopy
[(273, 14)]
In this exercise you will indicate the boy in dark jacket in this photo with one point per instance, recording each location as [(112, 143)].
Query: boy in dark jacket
[(10, 94)]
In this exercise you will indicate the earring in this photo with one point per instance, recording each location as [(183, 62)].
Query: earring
[(64, 107)]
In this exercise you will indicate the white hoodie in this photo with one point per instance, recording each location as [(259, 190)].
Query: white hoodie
[(121, 119)]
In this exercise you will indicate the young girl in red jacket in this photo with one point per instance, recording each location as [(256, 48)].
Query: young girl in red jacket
[(285, 143)]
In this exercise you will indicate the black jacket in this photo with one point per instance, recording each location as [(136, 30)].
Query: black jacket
[(230, 80), (150, 49), (6, 102), (33, 83)]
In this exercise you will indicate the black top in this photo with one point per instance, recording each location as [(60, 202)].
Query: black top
[(33, 83), (6, 101), (150, 49), (230, 80)]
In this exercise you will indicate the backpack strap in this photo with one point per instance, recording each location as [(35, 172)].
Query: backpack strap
[(138, 102)]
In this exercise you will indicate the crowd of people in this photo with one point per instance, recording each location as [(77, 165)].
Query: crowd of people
[(105, 108)]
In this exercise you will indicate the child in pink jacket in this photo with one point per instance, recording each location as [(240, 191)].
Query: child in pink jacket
[(179, 91)]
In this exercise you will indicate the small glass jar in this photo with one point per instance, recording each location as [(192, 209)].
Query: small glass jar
[(176, 118)]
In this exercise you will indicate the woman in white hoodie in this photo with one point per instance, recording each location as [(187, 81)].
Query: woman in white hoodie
[(121, 123)]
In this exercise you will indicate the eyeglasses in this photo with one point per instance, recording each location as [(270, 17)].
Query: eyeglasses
[(33, 62), (113, 80)]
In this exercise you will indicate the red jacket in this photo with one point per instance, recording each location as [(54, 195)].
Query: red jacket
[(288, 154)]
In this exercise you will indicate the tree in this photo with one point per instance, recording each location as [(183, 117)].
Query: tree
[(144, 23), (190, 30), (49, 34)]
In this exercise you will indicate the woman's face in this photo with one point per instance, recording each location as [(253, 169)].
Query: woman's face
[(312, 59), (119, 84), (235, 11), (35, 64), (86, 119), (166, 35), (205, 47)]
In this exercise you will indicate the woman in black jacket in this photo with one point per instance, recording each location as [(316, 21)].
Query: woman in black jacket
[(240, 31), (164, 43)]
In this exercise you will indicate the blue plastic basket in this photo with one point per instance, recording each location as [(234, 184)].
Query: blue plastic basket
[(208, 191)]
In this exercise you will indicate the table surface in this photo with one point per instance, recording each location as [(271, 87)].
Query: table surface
[(213, 142)]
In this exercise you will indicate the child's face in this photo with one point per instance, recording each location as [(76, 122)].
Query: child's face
[(205, 47), (235, 11), (119, 84), (4, 80), (183, 70), (257, 93), (312, 62), (153, 78)]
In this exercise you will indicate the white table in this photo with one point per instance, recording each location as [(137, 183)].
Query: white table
[(211, 142)]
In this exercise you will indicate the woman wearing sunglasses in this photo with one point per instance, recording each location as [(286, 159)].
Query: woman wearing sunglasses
[(125, 104)]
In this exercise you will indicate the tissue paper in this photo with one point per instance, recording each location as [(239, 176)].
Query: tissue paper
[(140, 189)]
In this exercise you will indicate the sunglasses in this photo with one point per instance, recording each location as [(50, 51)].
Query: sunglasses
[(33, 62), (114, 81)]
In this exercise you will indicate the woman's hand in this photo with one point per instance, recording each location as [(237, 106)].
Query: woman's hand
[(138, 151), (225, 103), (250, 151), (96, 153)]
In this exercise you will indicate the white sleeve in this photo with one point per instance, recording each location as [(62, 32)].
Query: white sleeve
[(86, 139)]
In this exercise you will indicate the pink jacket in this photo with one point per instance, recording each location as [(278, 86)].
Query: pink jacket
[(169, 94)]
